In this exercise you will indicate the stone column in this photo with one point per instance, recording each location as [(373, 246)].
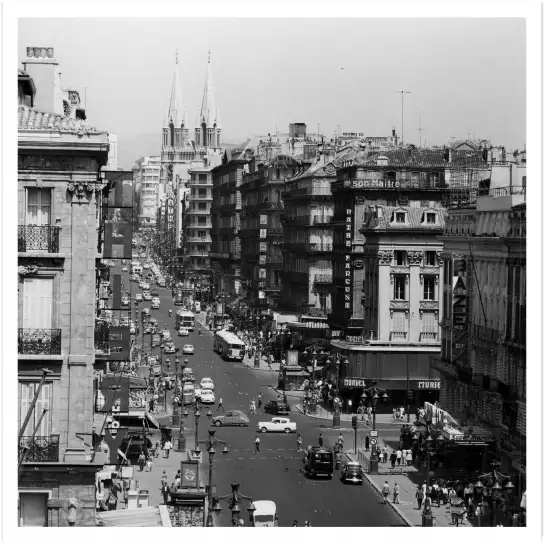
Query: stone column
[(82, 294)]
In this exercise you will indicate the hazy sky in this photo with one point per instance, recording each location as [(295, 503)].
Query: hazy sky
[(467, 75)]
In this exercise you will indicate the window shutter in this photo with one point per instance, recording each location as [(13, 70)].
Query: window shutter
[(32, 206), (37, 303), (43, 402), (26, 394)]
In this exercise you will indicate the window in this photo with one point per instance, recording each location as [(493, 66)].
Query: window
[(400, 217), (202, 193), (202, 206), (429, 323), (400, 257), (429, 259), (202, 178), (37, 303), (38, 206), (415, 179), (434, 179), (399, 287), (26, 394), (399, 322), (429, 288), (323, 300), (201, 220), (33, 508), (201, 234), (430, 217)]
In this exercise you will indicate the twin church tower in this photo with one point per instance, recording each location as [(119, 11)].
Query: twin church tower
[(176, 127)]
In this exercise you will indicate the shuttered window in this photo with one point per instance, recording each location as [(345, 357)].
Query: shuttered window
[(429, 322), (26, 394), (38, 206), (399, 322), (37, 303)]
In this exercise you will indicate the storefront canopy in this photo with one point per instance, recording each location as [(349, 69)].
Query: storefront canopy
[(144, 516)]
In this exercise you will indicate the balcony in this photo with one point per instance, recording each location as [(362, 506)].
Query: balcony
[(275, 231), (43, 448), (38, 238), (273, 206), (39, 341), (323, 279), (398, 335), (320, 247), (429, 336)]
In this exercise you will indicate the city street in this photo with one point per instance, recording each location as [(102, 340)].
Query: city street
[(274, 473)]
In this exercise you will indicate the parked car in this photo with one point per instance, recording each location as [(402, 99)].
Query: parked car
[(125, 301), (277, 407), (352, 472), (132, 330), (207, 397), (277, 424), (231, 418), (150, 328), (188, 375), (207, 384), (138, 298), (183, 332), (146, 311), (170, 348), (188, 349)]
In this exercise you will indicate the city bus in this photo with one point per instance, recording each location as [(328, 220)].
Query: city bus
[(185, 318), (229, 346)]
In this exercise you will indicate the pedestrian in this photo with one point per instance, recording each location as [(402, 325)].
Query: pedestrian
[(252, 407), (164, 478), (432, 494), (403, 456), (256, 444), (396, 493), (394, 414), (398, 457), (321, 440), (178, 479), (349, 406), (393, 458), (367, 442), (294, 523), (259, 401), (299, 443), (444, 491), (467, 493), (341, 441), (398, 414), (149, 462), (419, 496), (164, 492), (220, 404), (409, 457), (385, 491), (168, 446), (307, 524), (142, 460)]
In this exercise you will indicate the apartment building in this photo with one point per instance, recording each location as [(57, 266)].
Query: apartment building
[(149, 177)]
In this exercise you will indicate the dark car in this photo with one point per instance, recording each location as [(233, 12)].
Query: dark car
[(318, 461), (352, 472), (277, 407), (154, 293)]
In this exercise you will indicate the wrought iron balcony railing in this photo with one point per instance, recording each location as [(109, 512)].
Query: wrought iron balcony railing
[(428, 336), (321, 220), (398, 335), (42, 238), (40, 448), (39, 341)]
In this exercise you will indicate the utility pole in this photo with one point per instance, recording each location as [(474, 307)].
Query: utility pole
[(402, 93)]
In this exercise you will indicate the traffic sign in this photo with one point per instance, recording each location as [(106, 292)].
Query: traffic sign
[(373, 441), (336, 400), (373, 433)]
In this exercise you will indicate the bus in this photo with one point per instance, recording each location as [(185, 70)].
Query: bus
[(185, 318), (229, 346)]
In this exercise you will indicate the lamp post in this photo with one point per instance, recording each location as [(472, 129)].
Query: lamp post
[(375, 393), (211, 443), (183, 412), (234, 500)]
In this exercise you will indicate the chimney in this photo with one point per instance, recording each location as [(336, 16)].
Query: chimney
[(41, 65)]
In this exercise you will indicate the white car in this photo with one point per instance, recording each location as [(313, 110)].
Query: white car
[(125, 301), (167, 337), (147, 296), (207, 384), (207, 396), (170, 348), (146, 266), (138, 297), (155, 305), (124, 269), (188, 349), (132, 330), (144, 285), (183, 332), (277, 424)]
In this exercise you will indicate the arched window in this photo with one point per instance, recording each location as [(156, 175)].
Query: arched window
[(171, 127)]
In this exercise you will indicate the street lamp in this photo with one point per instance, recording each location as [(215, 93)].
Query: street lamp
[(183, 412), (210, 443), (234, 500), (374, 393)]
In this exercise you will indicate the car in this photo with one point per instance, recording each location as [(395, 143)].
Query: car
[(163, 332), (147, 296), (231, 418), (150, 328), (154, 293), (207, 384), (125, 301), (124, 269), (170, 348), (183, 332), (155, 305), (156, 340), (156, 301), (178, 301), (188, 349), (207, 396), (277, 407), (138, 298), (318, 461), (352, 472), (132, 330), (198, 393), (146, 311), (146, 266), (277, 424), (167, 337), (145, 285)]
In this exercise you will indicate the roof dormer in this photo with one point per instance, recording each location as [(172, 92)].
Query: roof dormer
[(399, 216), (430, 216)]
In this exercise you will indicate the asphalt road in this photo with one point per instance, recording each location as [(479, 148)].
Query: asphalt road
[(274, 473)]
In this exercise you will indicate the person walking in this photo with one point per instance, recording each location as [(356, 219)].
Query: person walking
[(367, 442), (141, 460), (398, 457), (149, 462), (252, 407), (259, 401), (256, 444), (165, 491), (164, 478), (403, 457), (419, 496), (393, 458), (385, 491), (168, 446), (294, 524), (220, 404), (341, 441), (396, 493), (321, 440), (299, 443), (409, 457), (394, 414)]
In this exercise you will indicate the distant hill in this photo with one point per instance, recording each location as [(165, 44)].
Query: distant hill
[(132, 147)]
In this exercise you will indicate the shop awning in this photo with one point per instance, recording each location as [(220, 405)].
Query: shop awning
[(127, 420), (144, 516), (300, 373)]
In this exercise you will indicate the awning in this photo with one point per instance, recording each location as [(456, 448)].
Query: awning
[(143, 516), (127, 420), (297, 373)]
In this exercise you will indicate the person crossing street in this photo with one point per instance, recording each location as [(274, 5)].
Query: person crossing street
[(299, 443), (220, 404), (256, 444)]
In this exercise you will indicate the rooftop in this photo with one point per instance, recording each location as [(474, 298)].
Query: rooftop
[(28, 119), (384, 217)]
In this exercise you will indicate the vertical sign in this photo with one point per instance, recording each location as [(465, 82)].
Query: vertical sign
[(459, 307), (293, 358), (347, 263)]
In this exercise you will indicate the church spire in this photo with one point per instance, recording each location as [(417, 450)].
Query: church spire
[(175, 113), (208, 114)]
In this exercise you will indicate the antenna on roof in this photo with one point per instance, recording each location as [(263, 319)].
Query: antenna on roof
[(420, 129), (402, 93)]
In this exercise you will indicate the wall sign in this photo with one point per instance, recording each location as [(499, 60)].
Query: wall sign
[(353, 382), (347, 262)]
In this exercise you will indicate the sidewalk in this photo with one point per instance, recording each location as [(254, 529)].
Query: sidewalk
[(328, 415)]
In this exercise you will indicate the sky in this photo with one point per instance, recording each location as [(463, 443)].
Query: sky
[(465, 76)]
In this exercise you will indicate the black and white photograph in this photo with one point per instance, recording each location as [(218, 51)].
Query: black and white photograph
[(272, 268)]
